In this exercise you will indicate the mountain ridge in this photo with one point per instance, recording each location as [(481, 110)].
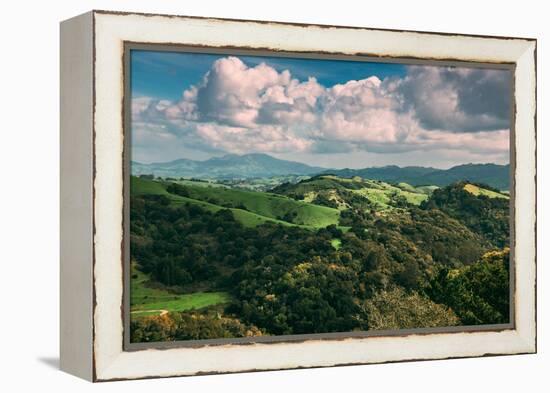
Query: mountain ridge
[(494, 175), (228, 166), (257, 165)]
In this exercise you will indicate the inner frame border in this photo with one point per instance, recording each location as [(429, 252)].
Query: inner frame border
[(128, 46)]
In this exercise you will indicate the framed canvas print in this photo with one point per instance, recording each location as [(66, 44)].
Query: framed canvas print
[(246, 195)]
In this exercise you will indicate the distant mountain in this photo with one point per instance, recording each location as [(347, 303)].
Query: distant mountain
[(497, 176), (390, 173), (248, 166), (226, 167)]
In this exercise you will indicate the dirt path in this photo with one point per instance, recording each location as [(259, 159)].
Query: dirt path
[(161, 312)]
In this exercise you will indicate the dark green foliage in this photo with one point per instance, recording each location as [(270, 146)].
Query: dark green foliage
[(178, 189), (410, 276), (446, 240), (488, 217), (187, 244), (324, 200), (310, 297), (478, 294), (355, 218)]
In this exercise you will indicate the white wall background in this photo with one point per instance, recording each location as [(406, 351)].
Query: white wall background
[(29, 195)]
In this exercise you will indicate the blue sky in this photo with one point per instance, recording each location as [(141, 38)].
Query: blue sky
[(164, 75), (331, 113)]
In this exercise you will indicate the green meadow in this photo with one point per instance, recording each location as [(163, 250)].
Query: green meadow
[(145, 300)]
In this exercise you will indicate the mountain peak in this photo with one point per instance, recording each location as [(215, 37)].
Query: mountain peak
[(228, 166)]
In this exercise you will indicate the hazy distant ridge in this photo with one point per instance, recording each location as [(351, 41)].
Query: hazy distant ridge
[(495, 175), (228, 166), (263, 165)]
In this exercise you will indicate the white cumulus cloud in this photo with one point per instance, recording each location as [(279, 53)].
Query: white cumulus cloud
[(236, 108)]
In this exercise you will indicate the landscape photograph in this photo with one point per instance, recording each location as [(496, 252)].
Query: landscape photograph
[(277, 196)]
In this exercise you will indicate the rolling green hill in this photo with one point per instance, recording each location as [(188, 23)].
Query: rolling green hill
[(344, 193), (477, 190), (385, 194), (268, 205), (141, 186), (249, 207)]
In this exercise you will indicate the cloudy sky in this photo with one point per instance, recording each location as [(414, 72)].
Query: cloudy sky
[(321, 112)]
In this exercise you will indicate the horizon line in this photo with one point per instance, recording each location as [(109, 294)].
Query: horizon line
[(317, 166)]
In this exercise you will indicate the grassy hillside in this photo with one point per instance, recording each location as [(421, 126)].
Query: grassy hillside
[(140, 186), (406, 187), (153, 301), (384, 194), (343, 193), (149, 187), (477, 190), (249, 207), (268, 205)]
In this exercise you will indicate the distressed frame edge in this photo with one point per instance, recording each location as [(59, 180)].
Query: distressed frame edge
[(526, 94), (528, 340), (304, 24)]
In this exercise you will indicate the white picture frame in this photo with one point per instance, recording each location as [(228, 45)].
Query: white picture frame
[(92, 196)]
